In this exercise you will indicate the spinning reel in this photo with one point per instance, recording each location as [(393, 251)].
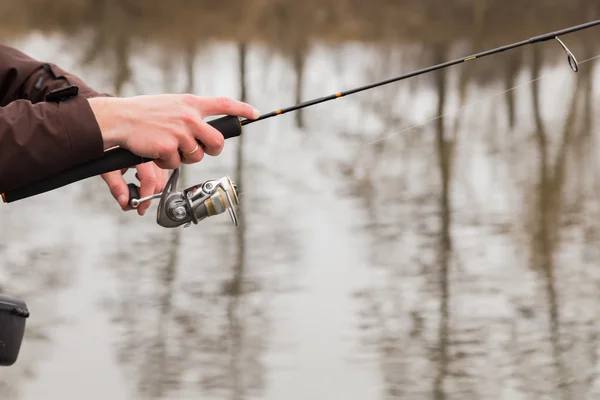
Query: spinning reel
[(193, 204)]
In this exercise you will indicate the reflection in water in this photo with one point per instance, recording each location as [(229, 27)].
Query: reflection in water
[(461, 340), (557, 209), (478, 230), (445, 243)]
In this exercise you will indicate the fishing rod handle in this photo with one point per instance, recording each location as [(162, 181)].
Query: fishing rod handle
[(112, 160), (230, 126)]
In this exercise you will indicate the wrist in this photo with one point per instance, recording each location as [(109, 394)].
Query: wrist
[(108, 115)]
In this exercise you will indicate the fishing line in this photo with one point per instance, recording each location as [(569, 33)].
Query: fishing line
[(460, 109)]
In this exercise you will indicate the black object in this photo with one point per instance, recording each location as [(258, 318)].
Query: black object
[(13, 314), (111, 160), (62, 94), (231, 126), (134, 192)]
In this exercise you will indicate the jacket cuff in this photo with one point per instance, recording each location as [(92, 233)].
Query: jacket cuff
[(62, 76), (82, 128)]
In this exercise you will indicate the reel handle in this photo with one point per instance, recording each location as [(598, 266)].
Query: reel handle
[(134, 192), (112, 160)]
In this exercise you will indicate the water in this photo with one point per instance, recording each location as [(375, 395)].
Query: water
[(455, 260)]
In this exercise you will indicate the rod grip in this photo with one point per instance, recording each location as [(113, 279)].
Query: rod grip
[(229, 126), (112, 160)]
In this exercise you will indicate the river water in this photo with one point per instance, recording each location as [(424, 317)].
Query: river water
[(453, 260)]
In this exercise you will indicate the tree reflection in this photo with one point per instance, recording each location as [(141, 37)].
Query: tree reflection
[(460, 341), (395, 327), (445, 245), (557, 208)]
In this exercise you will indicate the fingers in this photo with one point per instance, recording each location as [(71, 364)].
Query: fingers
[(163, 177), (226, 106), (212, 140), (168, 153), (191, 151), (210, 137), (152, 180), (118, 188), (183, 148), (167, 128), (149, 184)]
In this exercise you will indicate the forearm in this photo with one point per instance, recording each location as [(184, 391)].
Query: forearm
[(22, 77), (39, 140)]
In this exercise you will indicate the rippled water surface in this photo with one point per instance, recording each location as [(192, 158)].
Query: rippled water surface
[(385, 252)]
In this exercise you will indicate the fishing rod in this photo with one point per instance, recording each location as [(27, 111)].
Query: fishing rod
[(214, 197)]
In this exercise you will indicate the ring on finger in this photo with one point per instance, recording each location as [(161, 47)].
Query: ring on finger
[(193, 151)]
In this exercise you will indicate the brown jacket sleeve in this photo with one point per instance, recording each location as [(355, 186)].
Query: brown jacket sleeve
[(39, 138)]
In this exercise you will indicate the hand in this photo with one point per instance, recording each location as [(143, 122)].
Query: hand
[(152, 180), (166, 127)]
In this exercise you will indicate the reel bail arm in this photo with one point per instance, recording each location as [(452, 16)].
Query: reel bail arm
[(193, 204)]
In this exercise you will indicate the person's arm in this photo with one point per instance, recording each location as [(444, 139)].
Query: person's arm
[(40, 138)]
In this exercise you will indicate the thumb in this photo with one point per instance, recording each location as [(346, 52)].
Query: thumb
[(118, 188)]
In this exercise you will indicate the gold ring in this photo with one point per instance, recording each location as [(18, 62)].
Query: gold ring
[(195, 150)]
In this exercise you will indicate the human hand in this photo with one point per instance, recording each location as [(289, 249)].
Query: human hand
[(166, 128), (152, 181)]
